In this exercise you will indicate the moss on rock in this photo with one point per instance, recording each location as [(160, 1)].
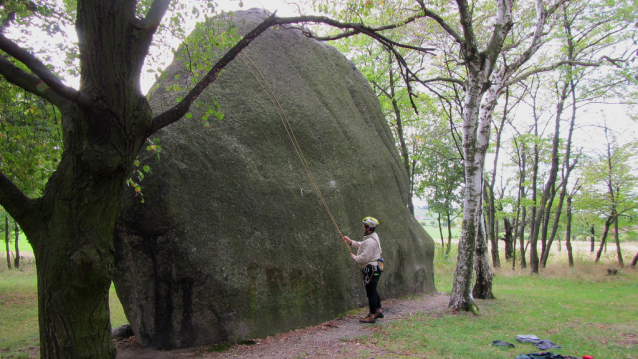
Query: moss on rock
[(232, 241)]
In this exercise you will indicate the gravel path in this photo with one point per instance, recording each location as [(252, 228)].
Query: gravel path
[(334, 339)]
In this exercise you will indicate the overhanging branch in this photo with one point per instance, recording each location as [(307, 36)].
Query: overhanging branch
[(42, 72), (13, 199), (458, 38), (537, 70), (28, 82), (176, 112)]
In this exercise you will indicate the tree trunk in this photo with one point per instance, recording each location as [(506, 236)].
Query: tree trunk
[(591, 239), (449, 232), (603, 239), (6, 240), (404, 148), (521, 211), (534, 225), (621, 263), (491, 227), (508, 239), (104, 126), (568, 232), (16, 260), (634, 261), (74, 253), (483, 285), (440, 230), (545, 254), (461, 296)]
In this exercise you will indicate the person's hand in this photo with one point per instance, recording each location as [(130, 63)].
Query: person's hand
[(348, 240), (352, 256)]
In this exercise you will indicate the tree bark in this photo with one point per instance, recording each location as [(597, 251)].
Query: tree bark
[(16, 260), (542, 214), (404, 147), (591, 239), (521, 211), (508, 239), (534, 224), (568, 231), (634, 261), (483, 285), (604, 238), (6, 240), (621, 263), (440, 230), (449, 232)]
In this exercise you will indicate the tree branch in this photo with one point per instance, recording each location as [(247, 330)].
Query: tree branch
[(537, 70), (369, 31), (441, 79), (154, 16), (13, 199), (176, 112), (42, 72), (28, 82), (441, 22)]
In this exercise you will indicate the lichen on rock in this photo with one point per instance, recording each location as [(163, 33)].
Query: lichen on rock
[(232, 241)]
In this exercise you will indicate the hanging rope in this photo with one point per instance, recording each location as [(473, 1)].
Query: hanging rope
[(291, 135)]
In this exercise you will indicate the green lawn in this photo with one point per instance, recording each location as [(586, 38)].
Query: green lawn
[(583, 309)]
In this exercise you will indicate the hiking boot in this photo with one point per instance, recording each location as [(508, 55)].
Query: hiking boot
[(379, 314), (369, 319)]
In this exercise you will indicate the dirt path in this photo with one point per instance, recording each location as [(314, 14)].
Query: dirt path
[(334, 339)]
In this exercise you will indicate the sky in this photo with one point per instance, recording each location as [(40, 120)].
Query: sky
[(283, 7)]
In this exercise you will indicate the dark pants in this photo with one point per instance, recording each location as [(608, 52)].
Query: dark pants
[(374, 300)]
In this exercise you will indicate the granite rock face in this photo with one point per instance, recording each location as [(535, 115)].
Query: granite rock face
[(232, 241)]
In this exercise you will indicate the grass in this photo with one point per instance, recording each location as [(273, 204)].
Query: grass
[(583, 309), (19, 336)]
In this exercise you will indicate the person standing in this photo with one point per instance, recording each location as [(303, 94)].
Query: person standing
[(368, 254)]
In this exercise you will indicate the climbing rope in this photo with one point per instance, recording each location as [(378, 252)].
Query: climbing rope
[(259, 77)]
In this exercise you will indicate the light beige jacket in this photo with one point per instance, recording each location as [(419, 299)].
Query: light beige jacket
[(368, 250)]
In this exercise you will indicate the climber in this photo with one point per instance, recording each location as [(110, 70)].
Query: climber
[(368, 254)]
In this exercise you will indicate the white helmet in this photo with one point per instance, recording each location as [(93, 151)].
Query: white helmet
[(371, 222)]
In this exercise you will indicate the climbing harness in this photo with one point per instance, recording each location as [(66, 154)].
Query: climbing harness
[(291, 135)]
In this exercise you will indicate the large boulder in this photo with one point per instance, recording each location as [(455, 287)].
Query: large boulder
[(232, 241)]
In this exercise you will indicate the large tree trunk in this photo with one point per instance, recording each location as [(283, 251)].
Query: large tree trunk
[(74, 256), (71, 226)]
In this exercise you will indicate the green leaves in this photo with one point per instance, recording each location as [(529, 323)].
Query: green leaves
[(30, 139), (139, 173)]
